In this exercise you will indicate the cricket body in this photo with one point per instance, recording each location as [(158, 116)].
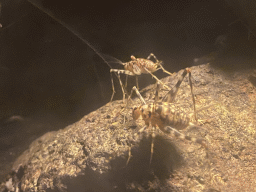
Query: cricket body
[(165, 115), (167, 118), (140, 65), (136, 67), (161, 115)]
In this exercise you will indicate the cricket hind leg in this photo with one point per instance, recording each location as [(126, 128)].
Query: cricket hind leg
[(153, 128), (170, 96), (171, 131)]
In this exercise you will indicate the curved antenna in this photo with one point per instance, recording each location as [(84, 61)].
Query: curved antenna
[(2, 28), (69, 28), (111, 59)]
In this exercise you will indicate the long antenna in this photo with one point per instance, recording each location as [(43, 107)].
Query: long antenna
[(49, 13), (73, 31)]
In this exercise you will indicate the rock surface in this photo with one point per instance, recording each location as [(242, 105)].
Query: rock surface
[(91, 155)]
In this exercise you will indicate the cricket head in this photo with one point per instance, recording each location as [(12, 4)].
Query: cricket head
[(136, 112)]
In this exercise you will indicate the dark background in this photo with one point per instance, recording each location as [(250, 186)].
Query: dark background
[(50, 78)]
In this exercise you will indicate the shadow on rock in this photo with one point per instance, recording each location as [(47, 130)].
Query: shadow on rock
[(139, 174)]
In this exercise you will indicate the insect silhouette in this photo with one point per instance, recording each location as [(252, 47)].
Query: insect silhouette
[(136, 67), (164, 115)]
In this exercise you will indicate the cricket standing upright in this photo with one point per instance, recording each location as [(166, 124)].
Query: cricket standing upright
[(165, 115), (136, 67)]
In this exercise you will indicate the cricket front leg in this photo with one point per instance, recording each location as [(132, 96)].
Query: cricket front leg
[(159, 63), (130, 153)]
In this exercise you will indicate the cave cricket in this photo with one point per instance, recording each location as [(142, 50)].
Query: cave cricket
[(164, 115), (136, 67)]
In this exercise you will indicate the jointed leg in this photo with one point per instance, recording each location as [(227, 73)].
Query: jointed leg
[(122, 87), (158, 80), (113, 87), (153, 128), (129, 154), (121, 84), (152, 55), (164, 70), (170, 96), (159, 63), (174, 132), (138, 94)]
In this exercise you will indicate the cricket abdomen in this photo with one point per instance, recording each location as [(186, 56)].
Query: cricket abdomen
[(171, 116)]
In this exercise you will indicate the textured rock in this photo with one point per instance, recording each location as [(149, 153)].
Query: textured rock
[(91, 155)]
